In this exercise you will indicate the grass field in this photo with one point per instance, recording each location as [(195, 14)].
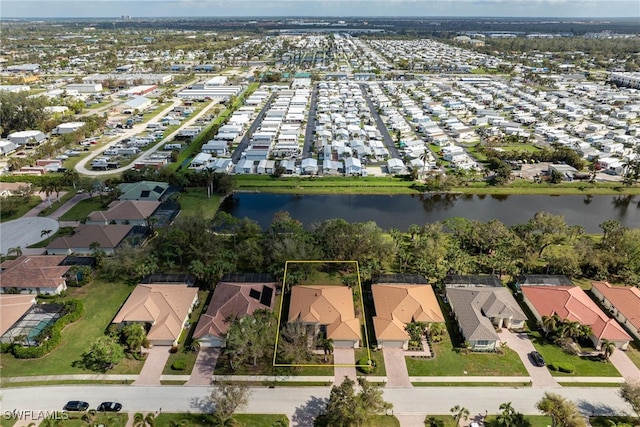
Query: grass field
[(111, 420), (83, 208), (584, 367), (22, 209), (194, 202), (102, 299), (206, 420)]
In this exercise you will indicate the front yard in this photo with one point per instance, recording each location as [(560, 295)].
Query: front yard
[(102, 300), (205, 420), (584, 367), (452, 362)]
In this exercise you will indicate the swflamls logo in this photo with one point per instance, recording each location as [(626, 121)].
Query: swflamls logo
[(33, 415)]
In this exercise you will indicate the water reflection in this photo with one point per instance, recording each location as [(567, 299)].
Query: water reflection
[(401, 211)]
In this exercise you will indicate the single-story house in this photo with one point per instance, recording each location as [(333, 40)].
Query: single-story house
[(623, 302), (134, 212), (328, 310), (481, 310), (396, 166), (34, 274), (143, 190), (12, 308), (231, 300), (27, 137), (108, 237), (572, 303), (7, 147), (396, 305), (163, 309)]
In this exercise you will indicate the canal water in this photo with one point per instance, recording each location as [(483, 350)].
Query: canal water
[(401, 211)]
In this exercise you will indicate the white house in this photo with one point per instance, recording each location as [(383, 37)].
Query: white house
[(352, 166)]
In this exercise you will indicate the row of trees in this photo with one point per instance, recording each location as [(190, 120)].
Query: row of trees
[(544, 244)]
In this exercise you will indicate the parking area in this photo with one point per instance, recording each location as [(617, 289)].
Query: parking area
[(521, 344)]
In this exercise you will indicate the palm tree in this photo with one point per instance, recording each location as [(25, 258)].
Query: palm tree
[(458, 413), (17, 251), (424, 156), (46, 233), (138, 420), (327, 346), (507, 416), (550, 324), (607, 348)]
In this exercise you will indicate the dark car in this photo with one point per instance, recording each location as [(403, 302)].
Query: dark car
[(537, 358), (76, 405), (109, 407)]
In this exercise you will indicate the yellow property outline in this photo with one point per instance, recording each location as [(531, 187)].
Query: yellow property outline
[(284, 285)]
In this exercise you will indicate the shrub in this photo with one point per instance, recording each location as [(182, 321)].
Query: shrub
[(567, 368), (179, 365), (553, 366), (366, 366)]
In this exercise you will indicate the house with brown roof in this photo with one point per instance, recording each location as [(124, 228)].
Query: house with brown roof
[(231, 301), (328, 310), (34, 274), (396, 305), (12, 308), (623, 303), (481, 310), (572, 303), (131, 212), (163, 309), (108, 237)]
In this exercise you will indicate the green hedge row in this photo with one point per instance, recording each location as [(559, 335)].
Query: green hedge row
[(567, 368), (366, 366), (73, 310)]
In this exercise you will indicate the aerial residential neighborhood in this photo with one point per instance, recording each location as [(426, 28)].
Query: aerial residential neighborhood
[(320, 222)]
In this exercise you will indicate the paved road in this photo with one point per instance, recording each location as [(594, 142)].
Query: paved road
[(521, 344), (382, 128), (297, 402), (244, 142), (307, 148)]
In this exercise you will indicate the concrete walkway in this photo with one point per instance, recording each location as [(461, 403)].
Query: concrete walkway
[(347, 357), (202, 373), (396, 366), (521, 344), (625, 366), (154, 365)]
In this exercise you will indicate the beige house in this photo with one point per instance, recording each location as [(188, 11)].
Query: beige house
[(12, 308), (398, 304), (34, 274), (329, 310), (132, 212), (163, 309)]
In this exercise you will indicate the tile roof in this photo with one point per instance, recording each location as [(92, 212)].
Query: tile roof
[(165, 307), (572, 303), (626, 299), (121, 210), (399, 304), (326, 305), (145, 190), (474, 308), (108, 236), (12, 308), (231, 300), (33, 271)]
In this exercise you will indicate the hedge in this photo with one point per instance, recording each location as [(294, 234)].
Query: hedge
[(73, 310), (366, 366), (567, 368), (179, 365)]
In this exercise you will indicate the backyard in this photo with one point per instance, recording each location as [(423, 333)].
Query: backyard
[(102, 299)]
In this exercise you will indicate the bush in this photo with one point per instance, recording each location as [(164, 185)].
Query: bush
[(567, 368), (553, 366), (366, 366), (179, 365)]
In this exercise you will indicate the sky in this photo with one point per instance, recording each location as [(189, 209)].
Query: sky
[(329, 8)]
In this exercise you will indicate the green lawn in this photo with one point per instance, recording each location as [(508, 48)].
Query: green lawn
[(447, 420), (194, 202), (584, 367), (22, 209), (111, 420), (7, 423), (449, 362), (102, 299), (57, 202), (62, 231), (619, 421), (634, 353), (205, 420), (83, 208), (377, 357)]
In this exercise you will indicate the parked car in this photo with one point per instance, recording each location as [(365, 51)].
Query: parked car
[(76, 405), (537, 358), (109, 407)]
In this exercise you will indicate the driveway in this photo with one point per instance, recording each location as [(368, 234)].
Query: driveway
[(154, 365), (625, 366), (202, 373), (347, 358), (521, 344), (396, 366)]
